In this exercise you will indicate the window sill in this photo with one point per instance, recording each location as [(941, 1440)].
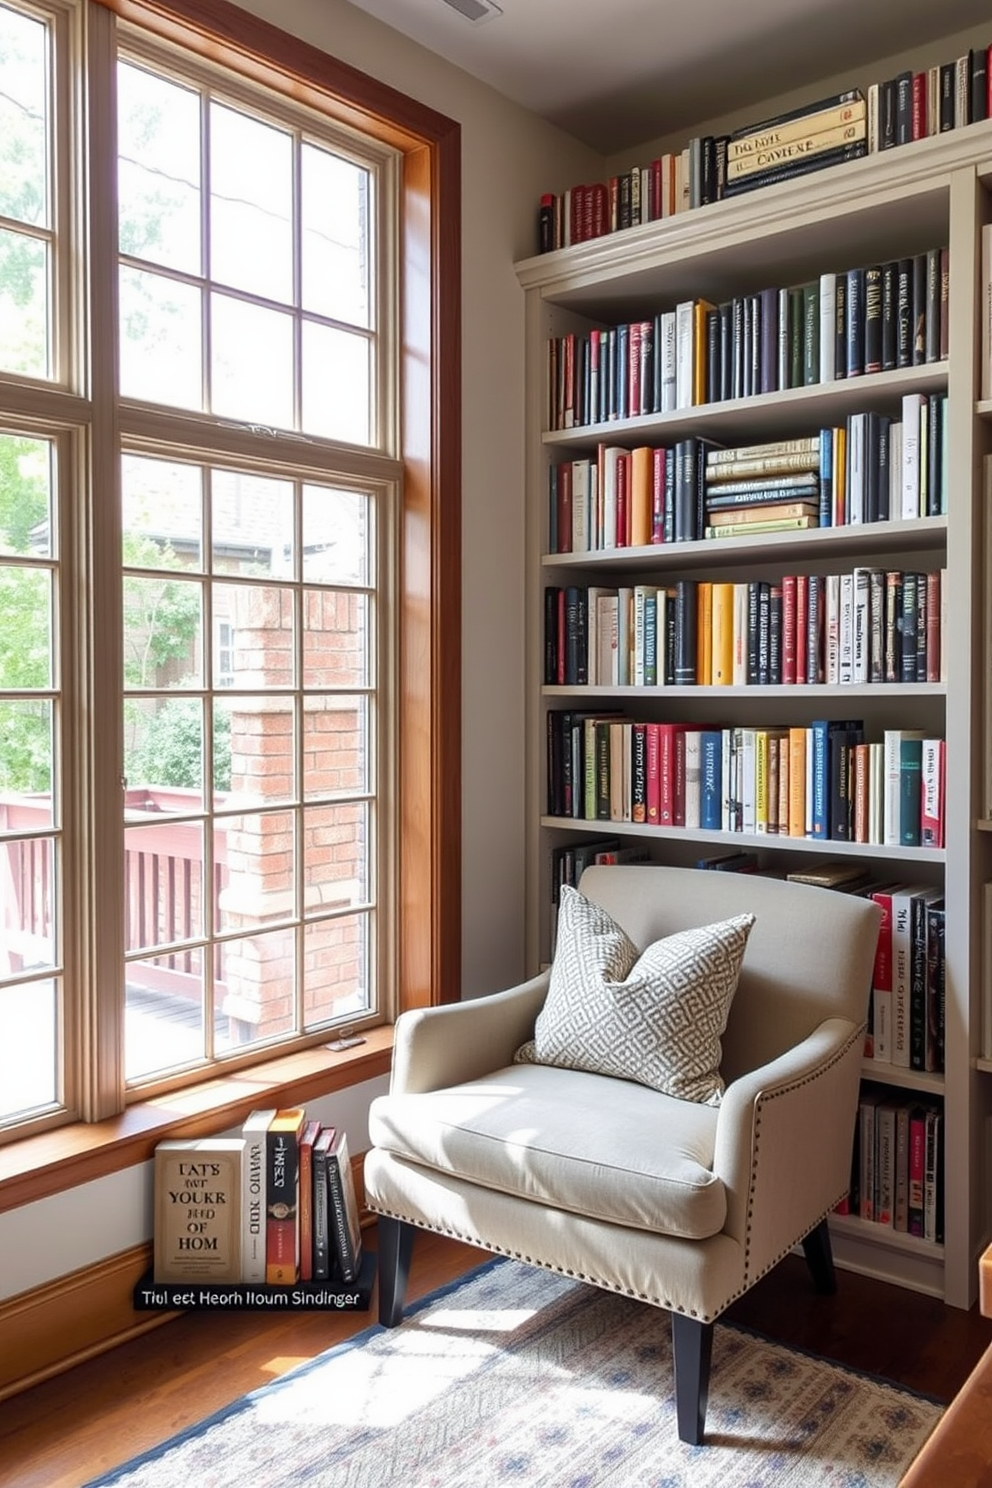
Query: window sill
[(40, 1166)]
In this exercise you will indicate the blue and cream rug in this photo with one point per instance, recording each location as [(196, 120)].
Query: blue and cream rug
[(514, 1376)]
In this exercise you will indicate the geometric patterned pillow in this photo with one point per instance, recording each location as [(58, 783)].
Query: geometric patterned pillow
[(655, 1016)]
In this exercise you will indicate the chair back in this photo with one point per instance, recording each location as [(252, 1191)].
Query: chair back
[(809, 956)]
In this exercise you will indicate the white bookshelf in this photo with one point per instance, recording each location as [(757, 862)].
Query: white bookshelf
[(931, 193)]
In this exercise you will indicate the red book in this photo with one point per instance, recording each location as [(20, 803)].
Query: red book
[(881, 980), (678, 784), (623, 500), (789, 628), (666, 773), (653, 782), (919, 115), (634, 336), (933, 626), (802, 619)]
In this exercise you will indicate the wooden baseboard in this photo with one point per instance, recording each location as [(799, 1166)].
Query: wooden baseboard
[(53, 1327)]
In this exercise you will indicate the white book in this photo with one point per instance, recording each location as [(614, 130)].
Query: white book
[(726, 783), (861, 647), (831, 628), (913, 423), (693, 778), (784, 350), (828, 338), (875, 793), (845, 630), (684, 352), (611, 457), (873, 90), (747, 781), (667, 184), (253, 1131), (668, 361), (895, 469), (856, 468), (962, 91), (640, 606), (809, 782)]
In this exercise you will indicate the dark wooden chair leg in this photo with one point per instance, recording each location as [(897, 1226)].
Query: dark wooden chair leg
[(692, 1349), (820, 1260), (395, 1251)]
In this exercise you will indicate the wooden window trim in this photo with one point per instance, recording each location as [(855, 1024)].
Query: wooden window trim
[(428, 916)]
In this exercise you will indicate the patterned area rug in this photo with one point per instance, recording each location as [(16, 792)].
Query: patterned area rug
[(514, 1376)]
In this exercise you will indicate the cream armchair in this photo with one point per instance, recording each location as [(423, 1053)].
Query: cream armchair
[(680, 1205)]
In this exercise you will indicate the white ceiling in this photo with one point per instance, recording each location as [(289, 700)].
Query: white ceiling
[(617, 73)]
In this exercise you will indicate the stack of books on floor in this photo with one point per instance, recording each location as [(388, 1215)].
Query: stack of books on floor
[(272, 1208)]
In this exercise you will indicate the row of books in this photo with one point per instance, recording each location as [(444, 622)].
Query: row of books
[(869, 318), (869, 625), (824, 780), (274, 1206), (871, 468), (913, 105), (907, 1014), (897, 1169)]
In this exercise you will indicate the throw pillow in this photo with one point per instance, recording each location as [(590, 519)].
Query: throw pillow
[(655, 1016)]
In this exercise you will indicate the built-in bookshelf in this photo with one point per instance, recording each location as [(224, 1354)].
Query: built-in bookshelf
[(887, 208)]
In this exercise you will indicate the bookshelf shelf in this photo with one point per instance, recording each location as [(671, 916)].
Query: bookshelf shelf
[(741, 419), (917, 535), (884, 208)]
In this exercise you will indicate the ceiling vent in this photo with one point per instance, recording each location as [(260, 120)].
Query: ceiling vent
[(476, 11)]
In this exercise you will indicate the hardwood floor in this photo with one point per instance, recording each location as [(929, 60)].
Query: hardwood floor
[(70, 1429)]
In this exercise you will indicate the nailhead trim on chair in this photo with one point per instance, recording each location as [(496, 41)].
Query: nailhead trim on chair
[(666, 1303)]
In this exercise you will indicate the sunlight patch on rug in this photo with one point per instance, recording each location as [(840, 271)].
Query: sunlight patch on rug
[(516, 1378)]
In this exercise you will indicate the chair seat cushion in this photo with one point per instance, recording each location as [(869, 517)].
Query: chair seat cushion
[(590, 1144)]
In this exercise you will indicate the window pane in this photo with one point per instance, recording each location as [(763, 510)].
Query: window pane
[(256, 987), (163, 755), (335, 638), (26, 621), (336, 381), (164, 1013), (252, 524), (160, 340), (251, 203), (337, 536), (24, 311), (27, 752), (338, 974), (337, 754), (258, 854), (28, 1044), (254, 750), (263, 620), (162, 513), (336, 858), (26, 516), (24, 119), (334, 218), (163, 632), (164, 867), (158, 169), (252, 367)]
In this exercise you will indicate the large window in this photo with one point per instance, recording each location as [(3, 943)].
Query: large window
[(225, 700)]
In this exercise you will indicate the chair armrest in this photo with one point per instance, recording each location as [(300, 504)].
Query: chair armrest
[(784, 1141), (441, 1046)]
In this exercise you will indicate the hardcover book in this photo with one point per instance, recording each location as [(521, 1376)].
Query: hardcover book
[(282, 1197), (198, 1209)]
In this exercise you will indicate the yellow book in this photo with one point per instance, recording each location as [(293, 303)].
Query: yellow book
[(640, 495), (700, 310), (722, 643), (782, 744), (704, 633), (761, 780), (840, 477), (797, 782)]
